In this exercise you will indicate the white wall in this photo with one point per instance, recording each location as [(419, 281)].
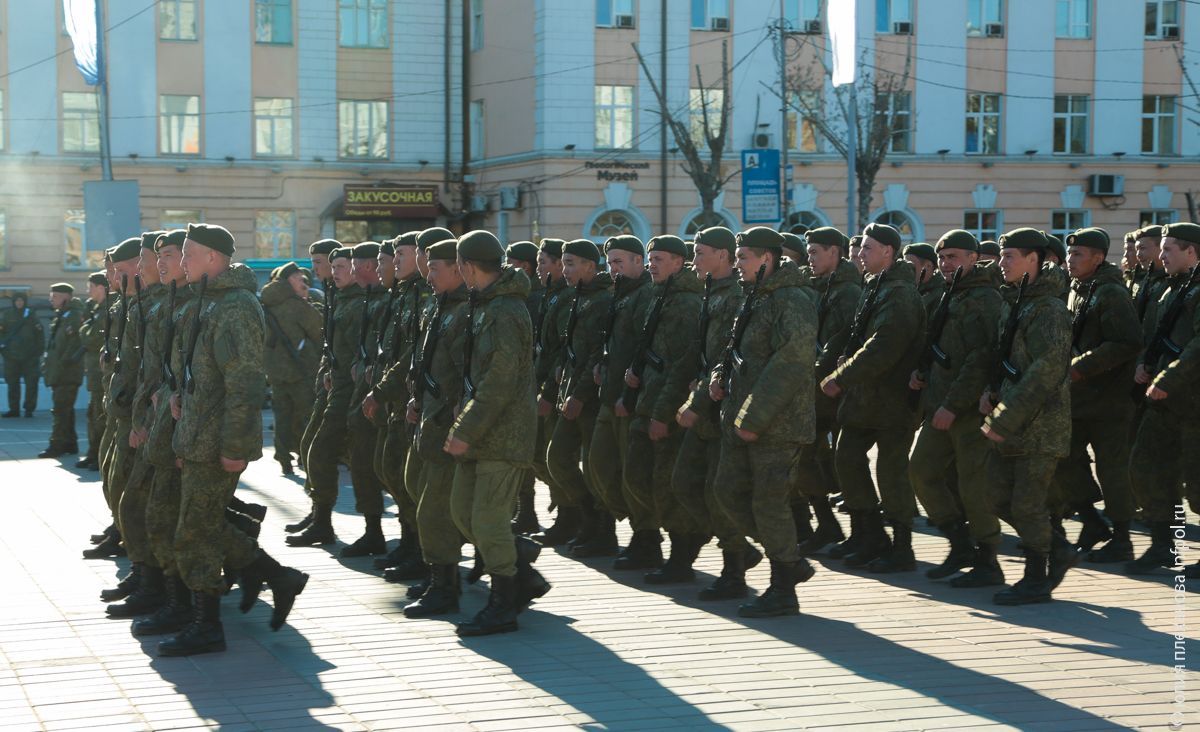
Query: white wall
[(564, 38), (941, 76), (1029, 102), (316, 21), (228, 99), (1117, 124)]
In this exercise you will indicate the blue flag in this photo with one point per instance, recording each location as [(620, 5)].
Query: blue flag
[(80, 18)]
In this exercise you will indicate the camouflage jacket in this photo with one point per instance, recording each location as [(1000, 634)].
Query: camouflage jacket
[(630, 303), (586, 341), (771, 393), (444, 367), (838, 294), (366, 351), (401, 341), (549, 357), (1034, 410), (967, 339), (497, 422), (533, 300), (22, 336), (222, 404), (724, 301), (1106, 349), (150, 363), (161, 425), (931, 291), (91, 332), (1179, 374), (347, 322), (123, 387), (293, 327), (875, 377), (1147, 291), (64, 354), (677, 343)]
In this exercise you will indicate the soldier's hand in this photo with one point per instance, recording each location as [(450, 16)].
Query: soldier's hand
[(328, 381), (830, 388), (230, 465), (596, 374), (658, 430), (686, 418), (544, 407), (179, 463), (354, 372), (715, 391), (138, 437), (632, 380), (176, 408), (943, 419), (572, 408), (619, 409), (915, 382), (370, 405), (455, 447), (1141, 376), (991, 434), (413, 412), (986, 405), (1155, 394), (747, 436)]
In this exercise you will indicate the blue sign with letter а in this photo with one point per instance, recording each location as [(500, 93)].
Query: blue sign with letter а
[(760, 186)]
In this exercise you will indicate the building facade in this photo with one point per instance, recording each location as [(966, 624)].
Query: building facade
[(291, 120)]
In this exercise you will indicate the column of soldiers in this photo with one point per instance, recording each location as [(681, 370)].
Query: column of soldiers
[(731, 389)]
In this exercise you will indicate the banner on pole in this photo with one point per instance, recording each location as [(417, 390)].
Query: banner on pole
[(760, 186), (80, 18)]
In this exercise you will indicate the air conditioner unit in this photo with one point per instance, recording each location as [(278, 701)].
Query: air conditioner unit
[(812, 27), (720, 24), (510, 198), (1106, 185), (763, 140), (902, 28), (994, 30), (623, 21), (479, 204), (1170, 32)]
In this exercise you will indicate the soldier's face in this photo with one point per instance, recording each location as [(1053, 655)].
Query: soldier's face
[(577, 269), (856, 256), (405, 262), (321, 266), (197, 261), (1147, 250), (1130, 257), (876, 256), (170, 268), (1082, 262), (444, 276), (949, 260), (1177, 259), (748, 262), (366, 271), (148, 267), (58, 300), (547, 265), (710, 260), (128, 270), (96, 292), (386, 266), (1014, 264), (823, 259), (920, 264), (663, 265), (341, 272), (626, 264)]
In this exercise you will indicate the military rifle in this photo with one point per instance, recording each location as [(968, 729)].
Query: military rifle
[(543, 306), (731, 358), (364, 325), (388, 315), (859, 327), (1080, 320), (612, 315), (705, 318), (469, 348), (645, 354), (933, 350), (1162, 344), (121, 321), (423, 381), (571, 321), (188, 383), (328, 357), (141, 306), (168, 376), (1143, 295), (280, 336), (1004, 368)]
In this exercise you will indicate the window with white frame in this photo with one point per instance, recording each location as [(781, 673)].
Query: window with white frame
[(362, 129), (273, 127), (614, 117), (1158, 125), (984, 224), (710, 14), (179, 218), (614, 14), (900, 221), (981, 14), (894, 111), (80, 122), (983, 124), (476, 25), (1063, 221), (1157, 217), (704, 104), (889, 13), (1073, 18), (802, 133), (477, 129), (1070, 124), (177, 20), (273, 21), (1162, 19), (363, 23), (179, 124), (274, 234), (611, 223), (801, 221), (703, 221), (798, 13)]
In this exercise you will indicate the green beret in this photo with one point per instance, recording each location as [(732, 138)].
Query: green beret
[(173, 238), (989, 247), (108, 254), (522, 251), (445, 250), (855, 241), (669, 244), (407, 239), (626, 243), (957, 239), (480, 246), (884, 234), (308, 274), (794, 242), (212, 236), (324, 246), (1023, 238), (275, 272), (64, 287), (388, 247), (365, 250), (127, 250), (429, 237), (149, 237), (1184, 231), (1054, 244), (826, 236), (341, 253), (583, 248), (922, 250), (761, 237), (717, 237), (98, 278), (552, 247), (1154, 231), (1131, 236), (288, 270), (1093, 238)]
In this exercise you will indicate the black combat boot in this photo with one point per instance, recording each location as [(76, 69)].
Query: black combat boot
[(530, 583), (962, 551), (849, 545), (243, 523), (109, 547), (441, 596), (285, 583), (525, 521), (170, 618), (1161, 552), (500, 613), (401, 552), (10, 414), (802, 518), (125, 587), (416, 589), (604, 539), (731, 584), (1063, 557), (1033, 587), (1118, 549), (108, 531), (1094, 530), (149, 596), (256, 511), (285, 464), (204, 634), (371, 542), (985, 570), (874, 542), (827, 532), (566, 526), (318, 533), (899, 558), (412, 567), (780, 597), (302, 524), (589, 525), (678, 567), (52, 451), (644, 551), (87, 463)]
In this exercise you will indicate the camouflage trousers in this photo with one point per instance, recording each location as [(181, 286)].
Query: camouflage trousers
[(315, 418), (694, 487), (324, 453), (62, 432), (961, 450), (481, 504), (1164, 456), (119, 464), (1109, 440), (570, 445), (816, 475), (134, 500), (1018, 486), (204, 541), (95, 423), (291, 402), (441, 538), (649, 465), (541, 468), (606, 456), (753, 489), (891, 469), (390, 457), (368, 488), (162, 516), (107, 437)]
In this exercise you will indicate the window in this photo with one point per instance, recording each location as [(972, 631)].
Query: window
[(1162, 19), (899, 221), (352, 230), (614, 117), (702, 103), (980, 14), (611, 223), (701, 221), (802, 134), (985, 225), (81, 122), (174, 218), (1157, 217), (710, 14), (1070, 124), (177, 20), (273, 21), (799, 12), (983, 124), (802, 221), (895, 111), (1072, 18), (614, 13), (1158, 125), (1065, 221), (362, 129), (274, 234), (363, 23), (3, 241), (273, 121), (476, 25), (890, 12), (477, 129), (75, 253), (179, 125)]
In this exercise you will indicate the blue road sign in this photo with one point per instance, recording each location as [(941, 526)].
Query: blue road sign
[(760, 186)]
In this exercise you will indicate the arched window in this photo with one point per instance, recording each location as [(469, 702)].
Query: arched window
[(908, 227), (696, 221), (611, 223), (801, 221)]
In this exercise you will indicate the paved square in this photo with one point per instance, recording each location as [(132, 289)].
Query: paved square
[(602, 651)]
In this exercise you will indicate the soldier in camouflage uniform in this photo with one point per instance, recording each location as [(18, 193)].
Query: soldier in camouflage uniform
[(930, 282), (219, 432), (1131, 265), (1149, 287), (293, 351), (22, 342), (875, 411), (989, 251), (1027, 411), (765, 383), (523, 255), (91, 332), (63, 370)]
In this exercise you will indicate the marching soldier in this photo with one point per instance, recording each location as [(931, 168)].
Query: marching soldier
[(930, 282), (91, 333), (989, 251), (1148, 289), (64, 368), (1131, 265), (794, 246), (22, 342), (292, 355), (523, 255)]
